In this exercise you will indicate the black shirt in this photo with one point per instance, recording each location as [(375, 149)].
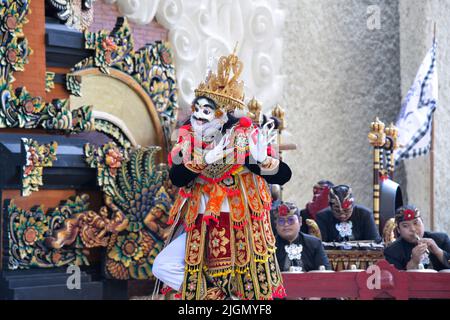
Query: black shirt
[(313, 253), (363, 225), (399, 252)]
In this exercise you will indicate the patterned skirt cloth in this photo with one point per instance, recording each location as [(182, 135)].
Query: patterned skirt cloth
[(228, 261)]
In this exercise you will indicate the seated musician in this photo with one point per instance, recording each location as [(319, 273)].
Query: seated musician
[(344, 220), (319, 202), (415, 246), (295, 248)]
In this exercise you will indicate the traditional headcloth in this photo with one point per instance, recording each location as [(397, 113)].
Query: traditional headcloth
[(286, 209), (341, 196), (406, 213)]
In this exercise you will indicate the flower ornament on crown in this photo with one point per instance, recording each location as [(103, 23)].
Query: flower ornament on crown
[(224, 88)]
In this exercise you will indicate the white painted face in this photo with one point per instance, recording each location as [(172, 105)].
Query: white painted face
[(203, 111)]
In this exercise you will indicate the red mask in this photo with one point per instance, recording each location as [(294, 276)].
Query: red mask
[(319, 201)]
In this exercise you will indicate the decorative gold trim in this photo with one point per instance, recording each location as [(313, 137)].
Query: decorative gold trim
[(389, 231), (224, 87), (313, 228)]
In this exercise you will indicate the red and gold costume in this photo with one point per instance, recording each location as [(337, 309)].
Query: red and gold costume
[(224, 206)]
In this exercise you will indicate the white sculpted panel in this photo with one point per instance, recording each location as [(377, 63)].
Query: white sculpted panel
[(202, 30)]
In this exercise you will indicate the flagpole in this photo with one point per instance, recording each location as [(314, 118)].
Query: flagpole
[(432, 158), (432, 176)]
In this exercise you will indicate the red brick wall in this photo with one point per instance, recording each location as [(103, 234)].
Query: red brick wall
[(105, 18), (33, 78), (59, 91)]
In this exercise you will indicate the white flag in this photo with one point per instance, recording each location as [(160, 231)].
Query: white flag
[(415, 119)]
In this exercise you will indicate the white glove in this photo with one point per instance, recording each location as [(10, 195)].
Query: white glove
[(252, 145), (265, 136), (219, 152)]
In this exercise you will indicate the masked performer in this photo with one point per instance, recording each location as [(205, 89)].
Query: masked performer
[(222, 165), (344, 220), (319, 202), (416, 246)]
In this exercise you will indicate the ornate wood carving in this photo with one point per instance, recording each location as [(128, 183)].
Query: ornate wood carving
[(132, 225), (113, 132), (18, 109), (344, 259), (135, 187), (76, 14), (37, 157), (28, 229), (152, 67)]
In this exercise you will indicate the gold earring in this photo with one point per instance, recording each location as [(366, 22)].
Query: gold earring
[(218, 113)]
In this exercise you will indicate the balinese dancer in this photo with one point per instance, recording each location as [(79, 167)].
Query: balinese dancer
[(222, 164), (319, 202)]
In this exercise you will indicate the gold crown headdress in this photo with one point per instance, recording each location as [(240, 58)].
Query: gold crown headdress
[(224, 87)]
